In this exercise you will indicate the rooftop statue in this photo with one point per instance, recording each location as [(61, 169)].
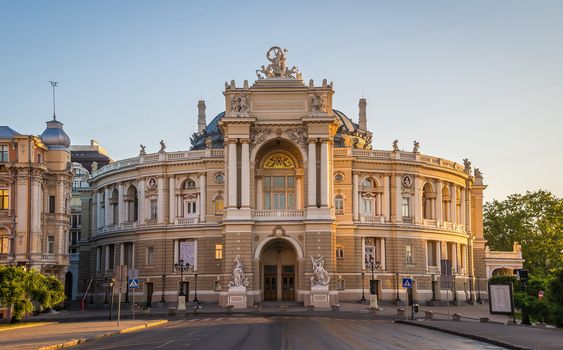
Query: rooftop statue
[(142, 152), (416, 146), (278, 66), (396, 145), (162, 146)]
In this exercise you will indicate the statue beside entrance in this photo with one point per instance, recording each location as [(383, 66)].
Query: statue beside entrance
[(237, 286), (319, 284)]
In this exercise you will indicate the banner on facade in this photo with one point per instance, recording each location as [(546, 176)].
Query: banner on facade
[(187, 252)]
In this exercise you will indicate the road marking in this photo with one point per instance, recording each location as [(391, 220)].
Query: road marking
[(168, 342), (220, 319)]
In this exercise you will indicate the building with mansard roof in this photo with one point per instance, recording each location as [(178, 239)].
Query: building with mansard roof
[(280, 177), (35, 182)]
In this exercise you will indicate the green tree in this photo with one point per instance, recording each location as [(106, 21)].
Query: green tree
[(23, 289), (535, 221)]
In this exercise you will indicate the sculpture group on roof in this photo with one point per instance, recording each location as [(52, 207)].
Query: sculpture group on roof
[(278, 66)]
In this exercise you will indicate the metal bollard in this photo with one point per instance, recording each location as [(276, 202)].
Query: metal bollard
[(428, 315)]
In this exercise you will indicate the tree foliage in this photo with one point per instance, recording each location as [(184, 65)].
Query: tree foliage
[(535, 221), (25, 289)]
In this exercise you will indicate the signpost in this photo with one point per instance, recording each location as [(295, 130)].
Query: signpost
[(407, 283), (133, 283)]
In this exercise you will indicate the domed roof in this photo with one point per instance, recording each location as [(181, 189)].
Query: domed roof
[(213, 132), (54, 137)]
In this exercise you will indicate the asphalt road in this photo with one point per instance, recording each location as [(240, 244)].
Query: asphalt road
[(263, 332)]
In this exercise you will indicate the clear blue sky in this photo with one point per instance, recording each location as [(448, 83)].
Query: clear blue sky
[(476, 79)]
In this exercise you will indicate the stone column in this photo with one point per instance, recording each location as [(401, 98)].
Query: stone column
[(439, 203), (385, 198), (160, 201), (172, 199), (468, 210), (312, 175), (462, 209), (298, 192), (203, 197), (382, 253), (453, 203), (417, 205), (355, 196), (245, 174), (325, 191), (398, 198), (107, 210), (259, 194), (142, 202), (120, 204), (99, 218), (232, 179)]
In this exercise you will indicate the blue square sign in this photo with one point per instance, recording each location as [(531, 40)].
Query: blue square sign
[(407, 282), (133, 283)]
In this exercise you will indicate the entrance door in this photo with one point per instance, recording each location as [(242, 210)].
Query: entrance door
[(288, 279), (270, 283), (149, 294)]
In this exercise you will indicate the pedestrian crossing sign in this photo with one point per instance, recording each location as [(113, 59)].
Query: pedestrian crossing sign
[(407, 282), (133, 283)]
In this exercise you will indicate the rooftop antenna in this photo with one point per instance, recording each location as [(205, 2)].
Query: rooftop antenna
[(54, 85)]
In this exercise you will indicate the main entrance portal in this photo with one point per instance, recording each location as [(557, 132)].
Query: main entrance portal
[(278, 265)]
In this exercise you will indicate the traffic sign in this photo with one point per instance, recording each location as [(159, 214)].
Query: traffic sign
[(133, 283), (407, 282), (540, 294)]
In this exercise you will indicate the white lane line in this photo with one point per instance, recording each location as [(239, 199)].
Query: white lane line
[(220, 319), (168, 342)]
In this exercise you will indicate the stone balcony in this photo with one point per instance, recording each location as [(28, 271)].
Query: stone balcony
[(289, 214)]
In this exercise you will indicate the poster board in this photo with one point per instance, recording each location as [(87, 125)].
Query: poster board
[(501, 300)]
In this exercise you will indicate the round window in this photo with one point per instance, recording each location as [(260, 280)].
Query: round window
[(219, 178), (338, 177)]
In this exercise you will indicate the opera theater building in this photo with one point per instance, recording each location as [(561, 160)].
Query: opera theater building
[(280, 196)]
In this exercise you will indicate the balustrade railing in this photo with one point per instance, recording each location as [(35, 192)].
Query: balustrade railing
[(286, 214)]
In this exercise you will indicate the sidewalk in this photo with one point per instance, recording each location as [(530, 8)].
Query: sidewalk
[(509, 336), (71, 333)]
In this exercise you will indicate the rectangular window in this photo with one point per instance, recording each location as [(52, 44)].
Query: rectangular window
[(218, 251), (279, 182), (431, 253), (290, 201), (219, 205), (153, 209), (111, 256), (339, 252), (339, 205), (406, 207), (340, 284), (267, 201), (4, 199), (39, 158), (366, 206), (290, 182), (150, 256), (74, 237), (98, 259), (4, 153), (266, 182), (51, 204), (409, 260), (51, 244), (4, 244), (191, 208)]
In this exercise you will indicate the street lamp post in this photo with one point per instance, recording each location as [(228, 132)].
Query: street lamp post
[(479, 301), (162, 300), (181, 266), (363, 300), (398, 300), (373, 265), (195, 292), (106, 296)]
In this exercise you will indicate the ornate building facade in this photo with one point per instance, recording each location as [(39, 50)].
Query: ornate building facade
[(277, 178), (35, 183)]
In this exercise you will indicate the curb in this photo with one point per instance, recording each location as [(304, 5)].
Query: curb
[(466, 335), (74, 342), (27, 326)]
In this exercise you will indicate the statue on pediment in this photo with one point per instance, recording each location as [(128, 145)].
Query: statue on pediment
[(278, 66)]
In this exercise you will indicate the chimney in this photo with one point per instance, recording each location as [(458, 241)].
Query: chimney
[(201, 116), (363, 119)]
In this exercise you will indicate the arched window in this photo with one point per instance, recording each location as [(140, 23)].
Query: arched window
[(188, 184), (278, 182), (445, 203), (219, 205), (339, 204), (132, 202), (114, 207), (427, 198), (369, 198)]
